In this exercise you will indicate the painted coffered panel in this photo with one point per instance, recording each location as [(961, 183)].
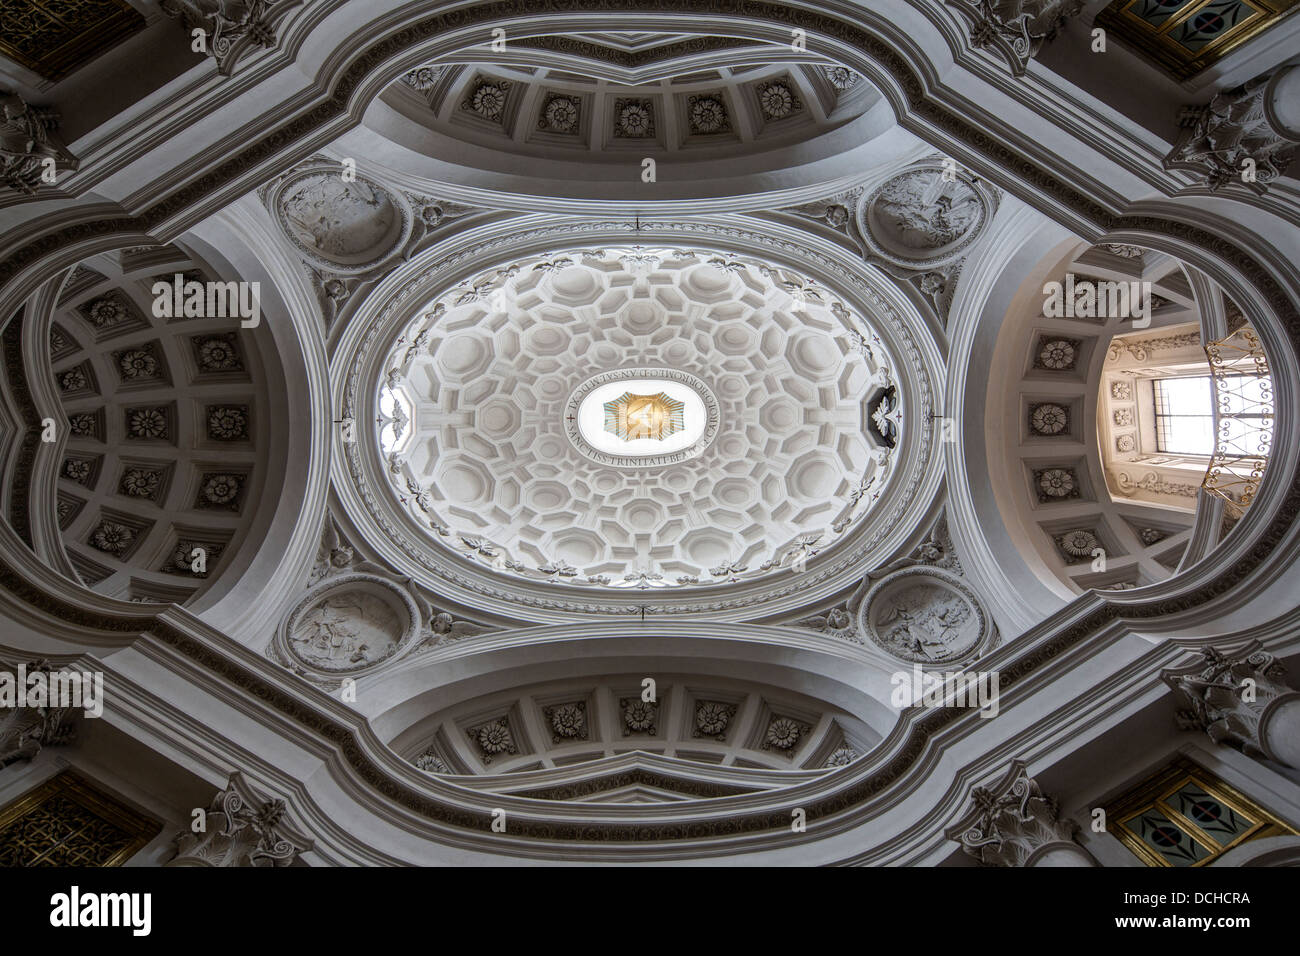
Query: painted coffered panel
[(1186, 36), (56, 37)]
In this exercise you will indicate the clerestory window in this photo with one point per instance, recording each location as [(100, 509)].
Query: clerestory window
[(1184, 412), (1184, 415)]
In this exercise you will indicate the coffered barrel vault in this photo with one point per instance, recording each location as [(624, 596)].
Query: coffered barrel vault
[(650, 432)]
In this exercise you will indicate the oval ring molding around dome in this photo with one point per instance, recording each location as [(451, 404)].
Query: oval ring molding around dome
[(794, 469), (919, 747), (468, 567)]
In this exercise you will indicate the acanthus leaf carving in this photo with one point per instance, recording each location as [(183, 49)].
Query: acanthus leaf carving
[(225, 23), (1009, 823), (1156, 484), (1237, 136), (29, 144), (1228, 693), (241, 829), (1017, 28), (1141, 349)]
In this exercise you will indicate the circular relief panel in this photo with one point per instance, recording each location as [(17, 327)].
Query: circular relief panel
[(346, 227), (349, 624), (924, 615), (641, 417), (925, 216)]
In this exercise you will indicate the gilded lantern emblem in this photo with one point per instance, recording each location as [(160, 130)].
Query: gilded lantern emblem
[(644, 416)]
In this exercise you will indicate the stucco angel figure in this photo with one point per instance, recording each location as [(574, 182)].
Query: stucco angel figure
[(25, 730), (327, 634), (337, 556), (928, 211), (926, 630), (935, 550)]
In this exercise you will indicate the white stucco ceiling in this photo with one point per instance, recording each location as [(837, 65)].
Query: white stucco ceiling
[(491, 369)]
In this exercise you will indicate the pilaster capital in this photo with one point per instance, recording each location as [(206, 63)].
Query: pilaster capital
[(241, 829), (1009, 823)]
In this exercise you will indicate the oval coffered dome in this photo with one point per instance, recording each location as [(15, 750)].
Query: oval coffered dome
[(736, 446)]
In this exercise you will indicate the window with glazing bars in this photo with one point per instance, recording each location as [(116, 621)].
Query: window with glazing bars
[(1185, 414)]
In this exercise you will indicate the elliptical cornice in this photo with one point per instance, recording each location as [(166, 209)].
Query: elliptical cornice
[(357, 466), (837, 802), (529, 52), (891, 71), (893, 76), (203, 90)]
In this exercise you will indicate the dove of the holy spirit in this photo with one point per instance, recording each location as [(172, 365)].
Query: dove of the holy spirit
[(643, 416)]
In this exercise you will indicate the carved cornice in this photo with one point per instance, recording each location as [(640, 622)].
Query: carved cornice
[(917, 110), (21, 478), (634, 58), (69, 243), (906, 745), (227, 667), (1040, 92), (638, 776)]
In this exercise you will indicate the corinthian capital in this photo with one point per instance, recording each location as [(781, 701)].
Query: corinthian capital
[(25, 729), (1017, 28), (225, 23), (1228, 695), (241, 829), (1246, 134), (30, 152), (1014, 824)]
